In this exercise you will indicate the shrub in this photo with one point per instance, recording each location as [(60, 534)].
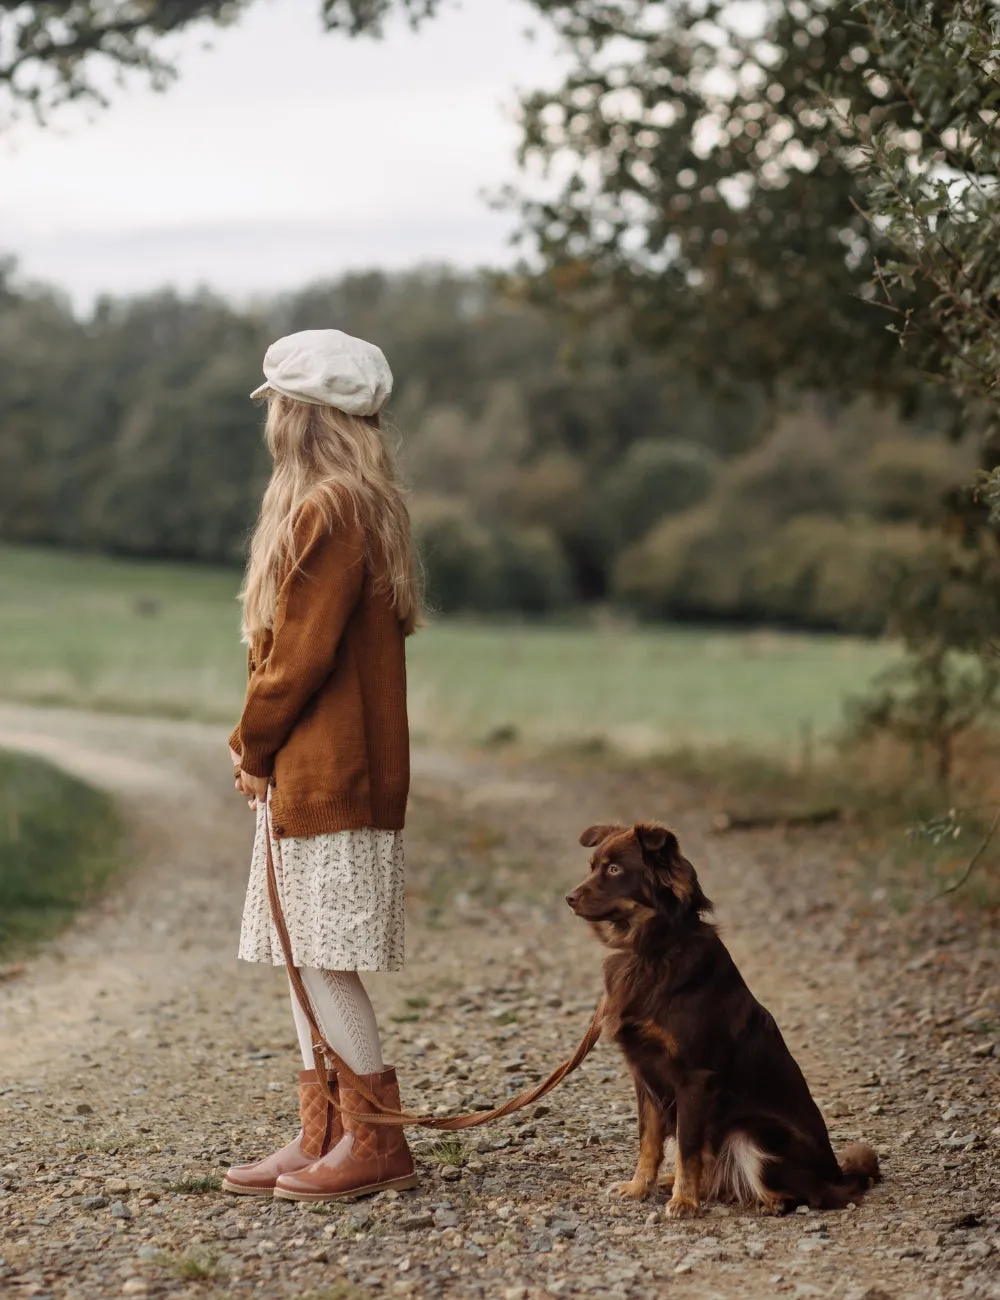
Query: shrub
[(906, 478), (475, 567), (457, 555), (814, 570), (657, 478)]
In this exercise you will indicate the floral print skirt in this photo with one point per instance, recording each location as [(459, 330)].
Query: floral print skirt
[(342, 896)]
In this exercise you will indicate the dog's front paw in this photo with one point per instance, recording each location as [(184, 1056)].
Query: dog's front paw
[(681, 1207), (636, 1189)]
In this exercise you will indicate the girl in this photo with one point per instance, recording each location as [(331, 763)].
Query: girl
[(322, 748)]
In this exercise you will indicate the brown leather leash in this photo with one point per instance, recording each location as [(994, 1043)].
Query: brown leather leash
[(325, 1057)]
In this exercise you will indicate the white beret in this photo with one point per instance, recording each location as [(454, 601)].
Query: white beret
[(328, 368)]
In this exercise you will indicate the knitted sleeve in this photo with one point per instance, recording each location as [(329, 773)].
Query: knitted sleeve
[(235, 744), (314, 604)]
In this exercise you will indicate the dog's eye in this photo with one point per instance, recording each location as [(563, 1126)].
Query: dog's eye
[(613, 869)]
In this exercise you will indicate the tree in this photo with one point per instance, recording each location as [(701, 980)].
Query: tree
[(52, 51), (709, 193), (933, 190)]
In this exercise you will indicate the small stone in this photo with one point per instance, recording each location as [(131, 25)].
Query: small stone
[(515, 1293), (802, 1209), (136, 1286), (755, 1249), (413, 1222), (148, 1254), (984, 1049), (94, 1202), (685, 1266), (116, 1185), (83, 1108), (652, 1217), (450, 1173), (445, 1219), (119, 1210), (232, 1232)]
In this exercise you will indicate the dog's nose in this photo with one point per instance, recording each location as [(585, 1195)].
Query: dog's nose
[(573, 898)]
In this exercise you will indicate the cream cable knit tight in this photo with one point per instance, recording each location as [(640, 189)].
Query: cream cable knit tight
[(346, 1017)]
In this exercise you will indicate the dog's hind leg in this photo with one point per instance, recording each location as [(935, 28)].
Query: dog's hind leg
[(652, 1135)]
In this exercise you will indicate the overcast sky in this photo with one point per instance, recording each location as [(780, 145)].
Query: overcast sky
[(281, 155)]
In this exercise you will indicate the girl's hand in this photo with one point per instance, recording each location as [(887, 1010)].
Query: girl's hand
[(255, 786)]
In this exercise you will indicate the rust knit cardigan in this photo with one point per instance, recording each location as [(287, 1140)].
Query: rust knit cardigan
[(325, 709)]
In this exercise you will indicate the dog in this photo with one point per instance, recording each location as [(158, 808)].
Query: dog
[(709, 1064)]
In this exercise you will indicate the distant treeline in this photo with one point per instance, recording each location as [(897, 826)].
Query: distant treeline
[(547, 469)]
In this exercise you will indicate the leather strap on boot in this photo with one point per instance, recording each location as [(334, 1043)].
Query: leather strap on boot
[(321, 1124)]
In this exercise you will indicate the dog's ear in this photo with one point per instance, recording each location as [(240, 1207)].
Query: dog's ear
[(595, 835), (655, 840), (662, 853)]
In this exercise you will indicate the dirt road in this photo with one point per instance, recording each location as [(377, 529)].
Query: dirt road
[(139, 1059)]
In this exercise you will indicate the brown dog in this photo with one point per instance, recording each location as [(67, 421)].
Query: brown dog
[(709, 1063)]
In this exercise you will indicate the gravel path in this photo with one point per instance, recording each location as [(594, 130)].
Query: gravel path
[(140, 1059)]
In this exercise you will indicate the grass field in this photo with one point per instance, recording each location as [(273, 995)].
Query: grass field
[(59, 845), (162, 639)]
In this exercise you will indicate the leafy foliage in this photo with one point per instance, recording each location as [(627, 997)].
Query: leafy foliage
[(53, 51), (945, 611), (708, 194), (933, 188)]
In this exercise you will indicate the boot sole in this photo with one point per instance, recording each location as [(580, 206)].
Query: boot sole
[(238, 1189), (394, 1184)]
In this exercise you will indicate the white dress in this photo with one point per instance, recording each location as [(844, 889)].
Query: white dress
[(342, 896)]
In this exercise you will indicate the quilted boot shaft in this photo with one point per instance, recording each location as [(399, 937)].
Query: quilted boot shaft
[(369, 1158), (321, 1131)]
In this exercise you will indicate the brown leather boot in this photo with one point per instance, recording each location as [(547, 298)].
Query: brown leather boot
[(321, 1131), (369, 1157)]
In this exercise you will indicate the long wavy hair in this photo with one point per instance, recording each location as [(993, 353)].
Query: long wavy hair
[(338, 461)]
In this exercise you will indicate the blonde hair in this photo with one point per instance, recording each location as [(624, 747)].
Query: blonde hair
[(328, 457)]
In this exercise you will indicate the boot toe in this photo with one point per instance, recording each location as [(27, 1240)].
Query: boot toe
[(299, 1183)]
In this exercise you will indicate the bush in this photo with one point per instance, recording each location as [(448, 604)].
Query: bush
[(683, 568), (813, 570), (799, 470), (907, 478), (472, 567), (830, 573), (531, 573), (655, 479)]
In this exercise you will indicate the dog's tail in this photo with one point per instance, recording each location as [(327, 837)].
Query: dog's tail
[(859, 1165)]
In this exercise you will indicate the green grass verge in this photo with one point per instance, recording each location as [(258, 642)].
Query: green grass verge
[(163, 640), (60, 842)]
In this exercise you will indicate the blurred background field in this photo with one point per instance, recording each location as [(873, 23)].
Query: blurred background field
[(162, 639)]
